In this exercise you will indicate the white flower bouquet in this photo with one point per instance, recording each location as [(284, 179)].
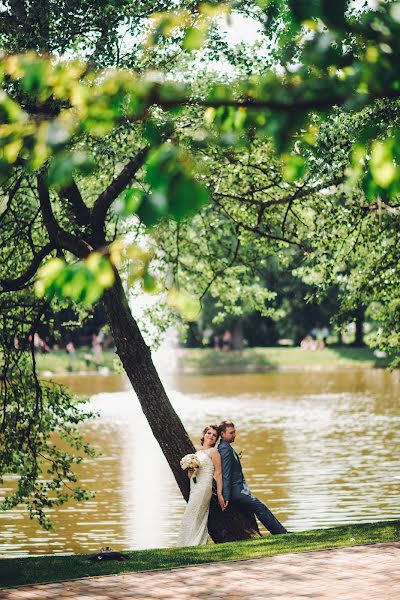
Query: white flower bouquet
[(191, 461)]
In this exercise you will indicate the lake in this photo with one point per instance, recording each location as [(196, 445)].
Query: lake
[(320, 448)]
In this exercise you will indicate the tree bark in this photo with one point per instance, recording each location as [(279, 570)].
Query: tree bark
[(237, 335), (136, 358), (165, 424), (232, 524), (359, 323)]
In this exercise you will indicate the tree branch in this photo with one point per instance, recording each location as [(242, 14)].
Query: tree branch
[(299, 193), (12, 192), (223, 270), (303, 192), (106, 198), (257, 229), (379, 206), (48, 217), (12, 285), (73, 196), (289, 206), (75, 245), (59, 237)]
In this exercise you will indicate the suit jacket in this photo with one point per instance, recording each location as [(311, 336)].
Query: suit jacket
[(233, 481)]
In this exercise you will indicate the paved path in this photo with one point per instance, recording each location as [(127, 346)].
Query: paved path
[(358, 573)]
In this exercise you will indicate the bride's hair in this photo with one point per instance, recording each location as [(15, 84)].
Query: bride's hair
[(215, 427)]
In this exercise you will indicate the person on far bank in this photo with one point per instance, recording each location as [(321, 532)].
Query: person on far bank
[(235, 488)]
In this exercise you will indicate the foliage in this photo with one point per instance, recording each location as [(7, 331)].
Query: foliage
[(344, 58), (338, 65), (292, 311), (40, 444), (354, 241), (82, 283), (35, 417)]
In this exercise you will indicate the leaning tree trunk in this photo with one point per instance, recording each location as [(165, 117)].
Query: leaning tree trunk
[(165, 424)]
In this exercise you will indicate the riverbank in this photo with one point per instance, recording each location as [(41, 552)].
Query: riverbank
[(82, 361), (48, 568), (257, 360), (209, 361)]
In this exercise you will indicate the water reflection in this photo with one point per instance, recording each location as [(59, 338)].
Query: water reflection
[(319, 448)]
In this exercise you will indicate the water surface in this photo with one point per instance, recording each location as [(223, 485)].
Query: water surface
[(321, 449)]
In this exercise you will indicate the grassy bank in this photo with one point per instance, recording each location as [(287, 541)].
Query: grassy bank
[(208, 361), (21, 571), (58, 361)]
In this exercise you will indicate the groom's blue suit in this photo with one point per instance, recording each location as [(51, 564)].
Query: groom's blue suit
[(236, 490)]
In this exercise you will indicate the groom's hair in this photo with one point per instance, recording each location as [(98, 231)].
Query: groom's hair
[(223, 426)]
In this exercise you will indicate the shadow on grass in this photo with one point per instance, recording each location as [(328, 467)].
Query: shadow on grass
[(361, 355), (210, 360)]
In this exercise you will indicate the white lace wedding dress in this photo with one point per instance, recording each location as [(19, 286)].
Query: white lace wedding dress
[(193, 531)]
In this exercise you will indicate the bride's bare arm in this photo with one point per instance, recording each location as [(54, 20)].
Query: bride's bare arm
[(216, 458)]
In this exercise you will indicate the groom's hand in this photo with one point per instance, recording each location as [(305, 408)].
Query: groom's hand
[(222, 503)]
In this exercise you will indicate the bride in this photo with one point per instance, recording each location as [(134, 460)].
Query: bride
[(193, 531)]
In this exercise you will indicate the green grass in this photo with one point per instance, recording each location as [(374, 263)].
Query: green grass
[(207, 360), (58, 361), (40, 569)]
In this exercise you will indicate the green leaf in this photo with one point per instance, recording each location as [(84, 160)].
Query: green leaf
[(83, 162), (383, 168), (370, 188), (187, 197), (84, 281), (60, 170), (186, 305), (34, 79), (62, 167), (174, 190), (157, 132), (293, 166), (149, 283), (128, 202), (10, 111), (154, 207), (5, 170), (194, 39)]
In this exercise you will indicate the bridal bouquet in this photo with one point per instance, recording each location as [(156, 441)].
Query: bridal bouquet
[(191, 461)]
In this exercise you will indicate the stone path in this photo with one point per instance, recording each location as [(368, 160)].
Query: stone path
[(357, 573)]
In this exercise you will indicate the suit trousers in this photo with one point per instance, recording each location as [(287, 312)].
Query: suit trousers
[(262, 512)]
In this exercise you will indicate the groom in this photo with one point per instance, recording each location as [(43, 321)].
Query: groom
[(235, 488)]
